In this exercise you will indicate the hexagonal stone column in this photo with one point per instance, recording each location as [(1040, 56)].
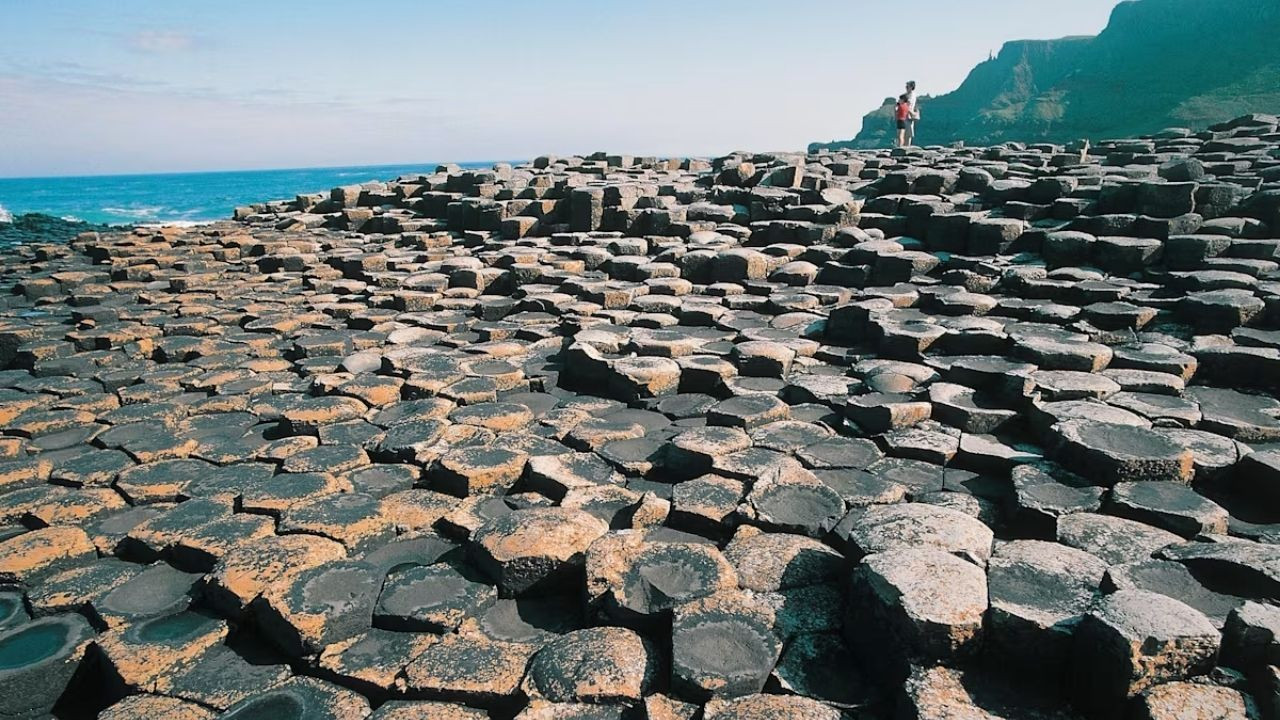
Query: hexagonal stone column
[(470, 668), (775, 707), (432, 598), (915, 606), (1039, 591), (722, 644), (220, 677), (881, 528), (480, 469), (243, 574), (157, 590), (1171, 506), (1132, 641), (32, 555), (636, 581), (145, 655), (322, 605), (792, 499), (146, 707), (301, 698), (371, 662), (596, 665), (37, 660), (411, 710), (531, 550), (1110, 453)]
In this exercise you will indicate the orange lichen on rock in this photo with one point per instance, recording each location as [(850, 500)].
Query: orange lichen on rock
[(40, 551)]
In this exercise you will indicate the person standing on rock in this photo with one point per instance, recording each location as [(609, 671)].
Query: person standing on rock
[(902, 114), (913, 114)]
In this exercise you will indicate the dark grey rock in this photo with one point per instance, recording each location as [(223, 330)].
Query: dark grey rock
[(37, 661), (1135, 640)]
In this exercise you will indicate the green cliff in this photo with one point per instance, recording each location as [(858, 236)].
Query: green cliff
[(1158, 64)]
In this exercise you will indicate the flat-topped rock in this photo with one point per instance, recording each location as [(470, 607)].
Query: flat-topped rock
[(916, 525), (1120, 453), (636, 579), (158, 590), (470, 669), (146, 655), (920, 605), (372, 662), (704, 630), (1174, 580), (1039, 590), (242, 575), (1113, 539), (137, 707), (1135, 640), (38, 660), (793, 499), (1190, 699), (29, 556), (1250, 566), (598, 665), (534, 548), (782, 707), (770, 562), (322, 604), (432, 598), (220, 677), (1170, 506), (301, 697)]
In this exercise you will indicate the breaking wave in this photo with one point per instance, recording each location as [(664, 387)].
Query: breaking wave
[(136, 213)]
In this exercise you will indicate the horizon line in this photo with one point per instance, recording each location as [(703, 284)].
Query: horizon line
[(252, 170)]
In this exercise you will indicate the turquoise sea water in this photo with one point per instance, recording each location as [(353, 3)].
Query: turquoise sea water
[(180, 197)]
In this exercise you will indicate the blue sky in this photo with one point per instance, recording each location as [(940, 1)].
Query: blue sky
[(114, 86)]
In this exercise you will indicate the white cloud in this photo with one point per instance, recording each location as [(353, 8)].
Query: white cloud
[(160, 41)]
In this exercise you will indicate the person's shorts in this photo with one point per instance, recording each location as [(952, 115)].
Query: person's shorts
[(902, 124)]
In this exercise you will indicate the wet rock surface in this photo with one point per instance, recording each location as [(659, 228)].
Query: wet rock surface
[(946, 432)]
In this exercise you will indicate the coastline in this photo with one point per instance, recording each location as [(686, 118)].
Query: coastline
[(134, 199), (39, 227)]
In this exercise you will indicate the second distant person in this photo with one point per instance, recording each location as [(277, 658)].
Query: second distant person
[(907, 132)]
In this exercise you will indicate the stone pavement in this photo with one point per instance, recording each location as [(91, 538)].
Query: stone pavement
[(938, 433)]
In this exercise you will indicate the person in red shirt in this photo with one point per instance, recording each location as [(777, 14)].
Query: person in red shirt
[(902, 113)]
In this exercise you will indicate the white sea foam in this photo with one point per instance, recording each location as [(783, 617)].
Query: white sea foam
[(5, 216), (141, 213), (177, 223)]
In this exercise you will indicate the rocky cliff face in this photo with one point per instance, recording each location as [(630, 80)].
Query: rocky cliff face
[(1158, 63)]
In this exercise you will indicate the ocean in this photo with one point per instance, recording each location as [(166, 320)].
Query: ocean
[(180, 197)]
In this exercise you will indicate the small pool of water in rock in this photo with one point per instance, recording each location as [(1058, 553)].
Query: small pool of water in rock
[(31, 645), (277, 706), (171, 627)]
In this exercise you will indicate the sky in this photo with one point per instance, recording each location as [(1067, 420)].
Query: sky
[(130, 86)]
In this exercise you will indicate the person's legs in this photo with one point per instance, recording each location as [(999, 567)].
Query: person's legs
[(910, 133), (902, 135)]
